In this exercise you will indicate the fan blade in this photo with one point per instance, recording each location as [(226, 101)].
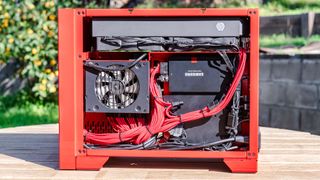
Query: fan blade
[(104, 88), (112, 101), (98, 91), (118, 99), (102, 85), (132, 88), (105, 77), (105, 97), (117, 75), (123, 99), (126, 100), (129, 101), (128, 76)]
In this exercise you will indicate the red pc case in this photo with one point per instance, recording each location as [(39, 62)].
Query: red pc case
[(72, 53)]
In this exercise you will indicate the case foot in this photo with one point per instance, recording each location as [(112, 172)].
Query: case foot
[(91, 162), (242, 165)]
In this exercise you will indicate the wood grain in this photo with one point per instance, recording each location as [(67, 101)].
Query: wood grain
[(32, 153)]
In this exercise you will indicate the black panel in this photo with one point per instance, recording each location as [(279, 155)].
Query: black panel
[(203, 130), (204, 74), (167, 27)]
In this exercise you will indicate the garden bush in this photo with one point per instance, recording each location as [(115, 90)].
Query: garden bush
[(28, 34)]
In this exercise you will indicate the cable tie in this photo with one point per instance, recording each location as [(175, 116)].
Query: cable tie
[(180, 119), (202, 112), (120, 137), (157, 97), (149, 131)]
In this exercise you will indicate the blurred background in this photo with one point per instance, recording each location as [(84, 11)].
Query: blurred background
[(289, 47)]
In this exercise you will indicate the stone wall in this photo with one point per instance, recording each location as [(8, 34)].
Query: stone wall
[(289, 92), (304, 24), (10, 82)]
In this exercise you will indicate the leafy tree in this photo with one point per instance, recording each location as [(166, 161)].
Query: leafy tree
[(28, 34)]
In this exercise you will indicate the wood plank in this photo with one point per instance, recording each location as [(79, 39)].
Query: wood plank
[(289, 146), (289, 158), (290, 151), (285, 154)]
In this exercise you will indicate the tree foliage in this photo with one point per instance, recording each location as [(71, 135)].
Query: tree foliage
[(28, 34)]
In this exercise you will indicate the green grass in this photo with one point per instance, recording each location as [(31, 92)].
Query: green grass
[(287, 7), (29, 115), (270, 11), (16, 112), (283, 40)]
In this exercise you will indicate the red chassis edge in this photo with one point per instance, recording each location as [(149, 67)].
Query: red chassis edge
[(71, 83)]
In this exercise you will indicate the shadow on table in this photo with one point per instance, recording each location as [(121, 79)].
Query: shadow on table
[(173, 163), (40, 149)]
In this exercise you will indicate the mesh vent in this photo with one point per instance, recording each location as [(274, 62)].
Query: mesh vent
[(97, 123), (101, 123)]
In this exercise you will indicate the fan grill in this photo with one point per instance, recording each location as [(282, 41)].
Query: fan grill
[(117, 89)]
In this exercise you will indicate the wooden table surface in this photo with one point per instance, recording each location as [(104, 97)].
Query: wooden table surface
[(31, 152)]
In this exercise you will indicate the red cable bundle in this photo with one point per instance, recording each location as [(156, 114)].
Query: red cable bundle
[(161, 119)]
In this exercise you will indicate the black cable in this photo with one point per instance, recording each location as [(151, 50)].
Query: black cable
[(149, 144), (91, 64), (203, 145), (167, 44), (226, 60), (226, 144)]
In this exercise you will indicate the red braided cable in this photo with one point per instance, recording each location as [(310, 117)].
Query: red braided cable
[(161, 119)]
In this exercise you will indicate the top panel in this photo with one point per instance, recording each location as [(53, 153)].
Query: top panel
[(171, 12), (167, 27)]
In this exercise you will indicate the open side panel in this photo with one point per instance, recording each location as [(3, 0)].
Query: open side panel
[(193, 55)]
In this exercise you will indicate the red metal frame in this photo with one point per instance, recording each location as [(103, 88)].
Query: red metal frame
[(71, 55)]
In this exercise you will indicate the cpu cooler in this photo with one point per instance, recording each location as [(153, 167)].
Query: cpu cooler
[(160, 83)]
